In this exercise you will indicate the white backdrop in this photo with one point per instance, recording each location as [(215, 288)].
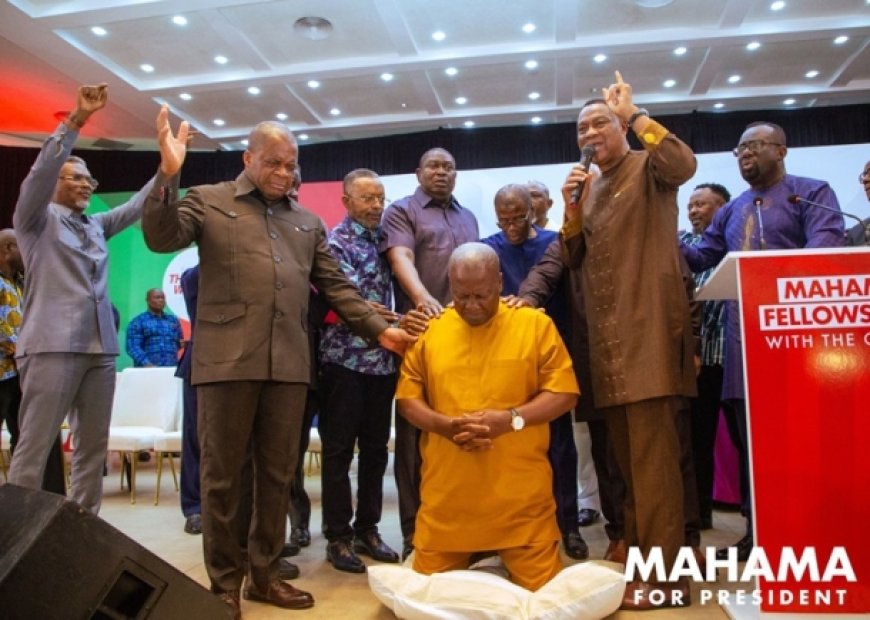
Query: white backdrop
[(838, 165)]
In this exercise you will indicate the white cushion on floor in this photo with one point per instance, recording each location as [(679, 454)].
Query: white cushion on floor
[(585, 591)]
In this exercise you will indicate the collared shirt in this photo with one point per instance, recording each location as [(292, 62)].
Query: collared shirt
[(10, 323), (153, 339), (713, 319), (432, 231), (356, 249)]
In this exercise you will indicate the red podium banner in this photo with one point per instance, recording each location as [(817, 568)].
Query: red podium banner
[(806, 351)]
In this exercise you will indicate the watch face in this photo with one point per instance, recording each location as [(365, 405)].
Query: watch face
[(517, 422)]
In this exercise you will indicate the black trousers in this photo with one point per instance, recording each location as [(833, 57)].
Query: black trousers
[(563, 461), (53, 479), (299, 507), (705, 421), (611, 486), (356, 409)]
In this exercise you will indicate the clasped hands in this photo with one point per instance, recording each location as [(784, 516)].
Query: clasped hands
[(474, 432)]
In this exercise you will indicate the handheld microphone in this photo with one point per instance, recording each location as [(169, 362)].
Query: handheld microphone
[(795, 199), (586, 154), (758, 202)]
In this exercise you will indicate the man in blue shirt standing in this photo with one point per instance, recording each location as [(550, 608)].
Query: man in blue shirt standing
[(357, 384), (154, 337)]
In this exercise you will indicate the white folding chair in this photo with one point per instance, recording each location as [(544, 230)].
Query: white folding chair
[(145, 406)]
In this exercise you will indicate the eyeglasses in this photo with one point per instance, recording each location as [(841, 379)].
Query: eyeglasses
[(371, 199), (78, 178), (753, 145), (517, 221)]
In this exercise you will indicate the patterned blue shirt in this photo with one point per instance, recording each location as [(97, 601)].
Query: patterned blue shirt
[(153, 339), (356, 249), (713, 318)]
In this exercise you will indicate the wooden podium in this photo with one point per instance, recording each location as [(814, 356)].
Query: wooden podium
[(805, 331)]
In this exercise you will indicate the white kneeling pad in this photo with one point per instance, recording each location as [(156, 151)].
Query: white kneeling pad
[(586, 591)]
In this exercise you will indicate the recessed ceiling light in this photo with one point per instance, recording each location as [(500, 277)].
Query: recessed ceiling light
[(719, 105), (303, 136), (669, 83), (147, 68), (529, 28), (99, 31), (753, 45), (451, 71), (313, 84), (438, 35), (461, 100), (245, 142), (281, 116), (733, 79), (652, 4), (599, 58), (219, 122), (536, 120), (254, 90), (531, 64), (679, 51), (387, 77), (841, 39), (534, 96), (404, 105), (335, 111), (777, 6), (179, 20), (468, 123), (811, 73), (313, 28), (221, 60), (789, 101), (185, 96)]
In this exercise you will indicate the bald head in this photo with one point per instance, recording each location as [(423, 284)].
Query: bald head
[(475, 282)]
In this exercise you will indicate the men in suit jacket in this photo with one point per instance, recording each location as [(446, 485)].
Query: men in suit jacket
[(259, 251), (69, 368)]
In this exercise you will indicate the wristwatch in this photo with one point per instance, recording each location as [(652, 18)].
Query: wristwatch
[(634, 117), (517, 421)]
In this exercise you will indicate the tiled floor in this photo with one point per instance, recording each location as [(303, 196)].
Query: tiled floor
[(338, 595)]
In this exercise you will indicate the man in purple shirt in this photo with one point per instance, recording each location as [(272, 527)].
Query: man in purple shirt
[(420, 232), (357, 384), (762, 218)]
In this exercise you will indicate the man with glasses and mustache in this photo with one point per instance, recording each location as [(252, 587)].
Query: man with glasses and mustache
[(69, 368), (357, 383), (761, 218)]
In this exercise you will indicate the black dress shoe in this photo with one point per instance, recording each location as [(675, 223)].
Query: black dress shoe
[(290, 549), (340, 554), (193, 524), (287, 570), (374, 546), (279, 594), (744, 547), (587, 516), (575, 546), (300, 535)]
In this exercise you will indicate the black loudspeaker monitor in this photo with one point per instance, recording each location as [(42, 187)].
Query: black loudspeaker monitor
[(59, 561)]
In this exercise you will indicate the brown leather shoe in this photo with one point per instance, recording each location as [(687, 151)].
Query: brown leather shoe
[(643, 596), (231, 598), (616, 551), (280, 594)]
